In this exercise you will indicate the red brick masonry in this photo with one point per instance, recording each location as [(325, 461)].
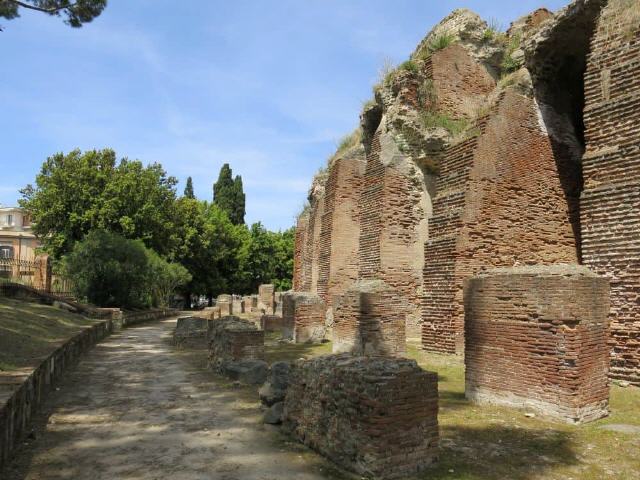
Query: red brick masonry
[(536, 337), (375, 416)]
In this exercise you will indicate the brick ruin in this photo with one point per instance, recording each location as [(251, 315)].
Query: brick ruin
[(489, 151), (266, 298), (232, 339), (536, 337), (375, 416), (190, 332), (303, 317), (225, 303)]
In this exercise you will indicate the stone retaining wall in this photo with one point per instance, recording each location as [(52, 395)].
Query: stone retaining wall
[(303, 317), (21, 393), (234, 339), (375, 416), (536, 337)]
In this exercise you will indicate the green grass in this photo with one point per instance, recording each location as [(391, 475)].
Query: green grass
[(509, 64), (491, 443), (31, 331), (349, 141), (276, 351), (434, 119)]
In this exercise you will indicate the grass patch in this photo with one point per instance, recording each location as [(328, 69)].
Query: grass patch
[(31, 331), (494, 31), (491, 443), (435, 119), (349, 141), (409, 66), (620, 16), (284, 351), (427, 97), (509, 64)]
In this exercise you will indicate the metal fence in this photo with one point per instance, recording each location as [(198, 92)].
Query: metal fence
[(36, 274)]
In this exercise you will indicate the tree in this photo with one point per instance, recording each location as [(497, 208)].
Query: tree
[(188, 189), (164, 278), (79, 192), (76, 12), (109, 270), (229, 196), (207, 247)]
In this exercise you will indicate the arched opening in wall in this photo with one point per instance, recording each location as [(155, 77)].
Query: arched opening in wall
[(557, 64)]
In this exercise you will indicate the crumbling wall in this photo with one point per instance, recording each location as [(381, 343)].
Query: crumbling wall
[(303, 317), (369, 319), (300, 267), (375, 416), (190, 332), (225, 303), (232, 339), (266, 298), (536, 337), (500, 202), (610, 204), (340, 225)]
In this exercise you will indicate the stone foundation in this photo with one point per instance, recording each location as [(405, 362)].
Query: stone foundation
[(238, 306), (536, 337), (271, 323), (190, 332), (248, 304), (225, 303), (233, 339), (377, 416), (369, 319), (266, 298), (303, 317)]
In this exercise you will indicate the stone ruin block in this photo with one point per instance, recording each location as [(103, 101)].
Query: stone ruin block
[(236, 349), (303, 317), (376, 416), (266, 298), (208, 313), (238, 305), (225, 303), (190, 332), (271, 323), (248, 303), (369, 319), (536, 337)]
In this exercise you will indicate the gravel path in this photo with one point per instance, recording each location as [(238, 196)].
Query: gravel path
[(135, 408)]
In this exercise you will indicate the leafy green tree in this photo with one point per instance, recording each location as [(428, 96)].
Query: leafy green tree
[(79, 192), (76, 12), (229, 196), (207, 246), (188, 189)]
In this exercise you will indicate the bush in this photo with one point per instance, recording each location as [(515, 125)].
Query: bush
[(111, 271)]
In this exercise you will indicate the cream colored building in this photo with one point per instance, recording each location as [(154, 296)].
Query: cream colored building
[(16, 238)]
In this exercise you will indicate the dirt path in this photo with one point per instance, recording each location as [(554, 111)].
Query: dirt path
[(135, 408)]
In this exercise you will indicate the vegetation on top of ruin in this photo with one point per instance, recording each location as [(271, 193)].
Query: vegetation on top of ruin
[(350, 140), (510, 64), (494, 31), (621, 15)]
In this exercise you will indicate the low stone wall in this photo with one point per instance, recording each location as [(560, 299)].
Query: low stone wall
[(536, 337), (303, 317), (248, 303), (238, 306), (370, 319), (21, 393), (236, 349), (271, 323), (190, 332), (375, 416)]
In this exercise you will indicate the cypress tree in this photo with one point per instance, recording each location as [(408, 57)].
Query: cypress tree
[(229, 196), (188, 190)]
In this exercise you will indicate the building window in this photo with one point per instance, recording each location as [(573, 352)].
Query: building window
[(10, 220), (6, 251)]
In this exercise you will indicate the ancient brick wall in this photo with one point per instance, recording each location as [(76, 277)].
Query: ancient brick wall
[(460, 83), (369, 319), (303, 317), (610, 204), (500, 202), (266, 297), (393, 225), (271, 323), (340, 225), (238, 305), (225, 303), (374, 416), (536, 337), (299, 266), (233, 339)]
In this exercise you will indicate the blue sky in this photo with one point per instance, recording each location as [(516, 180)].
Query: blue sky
[(267, 86)]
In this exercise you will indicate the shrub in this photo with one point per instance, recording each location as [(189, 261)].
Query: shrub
[(409, 66), (440, 42), (509, 64), (111, 271)]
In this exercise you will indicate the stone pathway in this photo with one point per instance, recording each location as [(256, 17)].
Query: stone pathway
[(135, 408)]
